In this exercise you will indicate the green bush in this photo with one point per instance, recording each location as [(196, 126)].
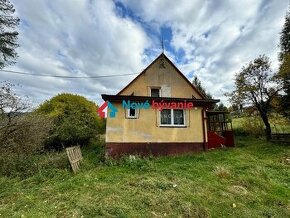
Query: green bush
[(75, 120), (239, 131), (93, 154), (28, 165)]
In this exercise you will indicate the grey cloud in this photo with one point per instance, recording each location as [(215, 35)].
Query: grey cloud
[(79, 38), (89, 38), (218, 37)]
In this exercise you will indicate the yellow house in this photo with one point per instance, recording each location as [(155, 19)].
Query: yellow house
[(160, 113)]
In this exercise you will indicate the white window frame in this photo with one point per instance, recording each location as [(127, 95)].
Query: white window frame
[(172, 119), (128, 114), (155, 88)]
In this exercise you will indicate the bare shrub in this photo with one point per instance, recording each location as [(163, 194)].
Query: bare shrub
[(24, 135), (28, 165), (20, 132)]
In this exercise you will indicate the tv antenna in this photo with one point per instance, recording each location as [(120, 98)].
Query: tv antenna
[(162, 43)]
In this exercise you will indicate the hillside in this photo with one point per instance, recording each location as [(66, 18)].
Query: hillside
[(251, 180)]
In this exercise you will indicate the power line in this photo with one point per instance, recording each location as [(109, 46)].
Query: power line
[(66, 77)]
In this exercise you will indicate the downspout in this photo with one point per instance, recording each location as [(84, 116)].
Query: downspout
[(203, 118)]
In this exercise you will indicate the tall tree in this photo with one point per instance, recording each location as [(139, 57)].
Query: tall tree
[(285, 37), (8, 34), (196, 82), (255, 86), (220, 107), (284, 70)]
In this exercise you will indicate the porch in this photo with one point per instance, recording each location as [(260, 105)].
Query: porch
[(220, 130)]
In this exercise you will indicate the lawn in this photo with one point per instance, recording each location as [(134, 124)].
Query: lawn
[(251, 180), (278, 124)]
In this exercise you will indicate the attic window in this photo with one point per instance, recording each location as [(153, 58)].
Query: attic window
[(155, 92), (131, 113)]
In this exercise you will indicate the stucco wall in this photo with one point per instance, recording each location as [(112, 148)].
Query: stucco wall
[(167, 78), (146, 129)]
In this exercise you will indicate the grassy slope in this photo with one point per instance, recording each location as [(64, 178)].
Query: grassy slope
[(278, 124), (250, 176)]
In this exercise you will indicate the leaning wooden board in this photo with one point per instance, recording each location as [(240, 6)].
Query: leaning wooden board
[(75, 157)]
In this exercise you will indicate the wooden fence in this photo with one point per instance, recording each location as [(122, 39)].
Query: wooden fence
[(75, 157), (281, 137)]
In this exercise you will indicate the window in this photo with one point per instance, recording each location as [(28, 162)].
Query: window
[(172, 117), (155, 92), (178, 117), (165, 117), (131, 113)]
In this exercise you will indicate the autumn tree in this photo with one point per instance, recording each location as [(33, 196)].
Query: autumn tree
[(8, 34), (284, 70), (255, 85)]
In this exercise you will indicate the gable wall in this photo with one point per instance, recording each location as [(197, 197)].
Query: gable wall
[(168, 78)]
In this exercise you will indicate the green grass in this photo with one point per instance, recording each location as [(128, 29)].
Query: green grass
[(237, 122), (251, 180)]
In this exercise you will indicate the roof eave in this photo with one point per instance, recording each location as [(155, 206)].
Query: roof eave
[(120, 98)]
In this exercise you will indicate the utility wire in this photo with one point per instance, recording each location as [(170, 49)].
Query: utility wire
[(66, 77)]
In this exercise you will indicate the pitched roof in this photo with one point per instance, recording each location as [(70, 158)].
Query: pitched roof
[(178, 71)]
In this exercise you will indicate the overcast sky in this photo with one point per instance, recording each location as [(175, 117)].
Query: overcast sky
[(210, 39)]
